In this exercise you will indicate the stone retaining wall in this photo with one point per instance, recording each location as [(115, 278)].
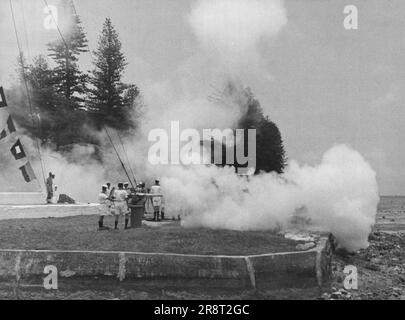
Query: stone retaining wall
[(268, 271)]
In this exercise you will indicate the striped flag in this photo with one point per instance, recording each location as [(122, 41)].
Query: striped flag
[(10, 128), (17, 150), (3, 102), (28, 172)]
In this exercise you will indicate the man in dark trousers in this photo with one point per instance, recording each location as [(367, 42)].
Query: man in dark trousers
[(156, 201), (49, 187)]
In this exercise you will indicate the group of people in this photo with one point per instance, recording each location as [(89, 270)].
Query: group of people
[(115, 201)]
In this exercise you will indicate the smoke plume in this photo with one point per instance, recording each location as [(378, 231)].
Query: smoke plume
[(231, 30), (339, 195)]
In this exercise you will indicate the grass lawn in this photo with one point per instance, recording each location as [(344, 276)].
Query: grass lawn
[(80, 233)]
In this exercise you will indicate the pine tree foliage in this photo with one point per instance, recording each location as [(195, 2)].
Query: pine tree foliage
[(111, 99)]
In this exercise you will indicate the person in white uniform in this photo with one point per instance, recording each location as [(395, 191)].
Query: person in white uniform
[(156, 201), (55, 197), (127, 188), (121, 206), (108, 184), (104, 207)]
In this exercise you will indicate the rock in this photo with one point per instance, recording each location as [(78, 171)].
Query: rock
[(373, 267), (346, 295), (67, 273), (340, 294), (63, 198), (325, 296), (305, 246), (336, 295), (375, 260), (299, 236)]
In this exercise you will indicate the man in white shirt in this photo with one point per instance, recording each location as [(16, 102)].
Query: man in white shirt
[(108, 184), (127, 188), (121, 206), (55, 195), (103, 200), (156, 201)]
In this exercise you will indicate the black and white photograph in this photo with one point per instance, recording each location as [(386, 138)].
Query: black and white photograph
[(211, 151)]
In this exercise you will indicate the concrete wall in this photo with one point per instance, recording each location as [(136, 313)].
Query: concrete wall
[(46, 211), (12, 198), (268, 271)]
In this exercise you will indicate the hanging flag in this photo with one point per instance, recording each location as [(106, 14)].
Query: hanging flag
[(17, 150), (10, 125), (3, 134), (3, 102), (28, 172), (9, 129)]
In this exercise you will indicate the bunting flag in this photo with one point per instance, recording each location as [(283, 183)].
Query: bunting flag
[(9, 129), (28, 172), (17, 150), (10, 125), (3, 102)]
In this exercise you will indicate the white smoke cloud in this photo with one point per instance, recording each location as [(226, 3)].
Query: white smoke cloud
[(76, 173), (232, 29), (229, 32), (190, 107), (340, 195)]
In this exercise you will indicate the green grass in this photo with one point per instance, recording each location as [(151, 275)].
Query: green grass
[(80, 233)]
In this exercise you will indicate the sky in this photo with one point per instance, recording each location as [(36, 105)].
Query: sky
[(321, 84)]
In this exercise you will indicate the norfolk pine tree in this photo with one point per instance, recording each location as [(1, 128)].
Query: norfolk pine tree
[(111, 100), (68, 80)]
